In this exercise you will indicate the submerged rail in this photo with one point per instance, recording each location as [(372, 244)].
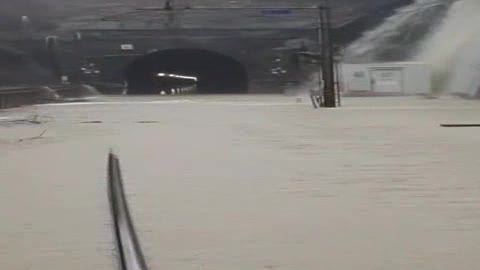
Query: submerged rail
[(127, 243)]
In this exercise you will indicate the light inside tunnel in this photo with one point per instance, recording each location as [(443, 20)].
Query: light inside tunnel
[(181, 77), (210, 72)]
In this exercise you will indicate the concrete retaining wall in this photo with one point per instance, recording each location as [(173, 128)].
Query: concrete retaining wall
[(11, 97), (19, 96)]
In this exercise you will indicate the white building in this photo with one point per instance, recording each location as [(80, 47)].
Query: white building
[(395, 78)]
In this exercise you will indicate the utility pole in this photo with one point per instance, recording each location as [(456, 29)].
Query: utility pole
[(327, 65), (51, 44), (169, 4), (171, 14)]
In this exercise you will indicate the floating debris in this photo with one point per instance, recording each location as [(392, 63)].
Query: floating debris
[(148, 122), (35, 120), (34, 138), (92, 122), (459, 125)]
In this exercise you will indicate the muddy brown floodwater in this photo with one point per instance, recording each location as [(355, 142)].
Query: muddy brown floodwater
[(245, 182)]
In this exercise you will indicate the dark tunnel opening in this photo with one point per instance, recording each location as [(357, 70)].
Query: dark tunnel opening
[(213, 73)]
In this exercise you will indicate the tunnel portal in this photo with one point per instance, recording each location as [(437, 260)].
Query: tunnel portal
[(215, 73)]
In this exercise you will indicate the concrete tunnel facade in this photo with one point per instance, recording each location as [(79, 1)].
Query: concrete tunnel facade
[(225, 61)]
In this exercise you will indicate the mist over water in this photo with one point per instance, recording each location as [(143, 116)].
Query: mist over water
[(442, 33), (452, 49), (396, 38)]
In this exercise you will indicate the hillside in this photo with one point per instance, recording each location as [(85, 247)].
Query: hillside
[(350, 17), (48, 14)]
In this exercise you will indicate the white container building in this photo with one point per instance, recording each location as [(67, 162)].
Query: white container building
[(390, 78)]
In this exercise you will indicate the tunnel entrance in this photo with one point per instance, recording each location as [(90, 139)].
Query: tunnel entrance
[(210, 72)]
